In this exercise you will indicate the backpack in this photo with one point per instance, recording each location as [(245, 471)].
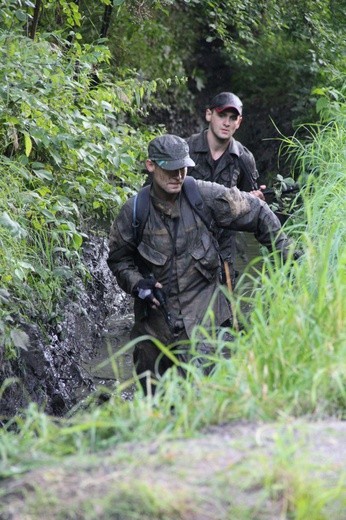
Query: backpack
[(193, 195)]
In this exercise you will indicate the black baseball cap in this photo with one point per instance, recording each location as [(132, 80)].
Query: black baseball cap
[(225, 101), (170, 152)]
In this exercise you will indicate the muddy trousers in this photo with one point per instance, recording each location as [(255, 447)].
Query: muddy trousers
[(151, 363)]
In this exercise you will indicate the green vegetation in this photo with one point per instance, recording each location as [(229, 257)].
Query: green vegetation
[(73, 98), (72, 140), (69, 157)]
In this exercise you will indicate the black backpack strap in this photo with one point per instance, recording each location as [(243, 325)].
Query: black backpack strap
[(142, 203), (194, 197), (140, 212), (247, 166)]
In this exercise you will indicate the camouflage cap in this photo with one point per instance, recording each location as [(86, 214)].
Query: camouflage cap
[(170, 152), (225, 101)]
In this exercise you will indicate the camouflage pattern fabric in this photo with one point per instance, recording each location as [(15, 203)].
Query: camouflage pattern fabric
[(230, 171), (189, 270)]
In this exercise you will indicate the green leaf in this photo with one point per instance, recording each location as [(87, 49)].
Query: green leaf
[(4, 296), (38, 165), (44, 174), (126, 159), (63, 272), (321, 104), (27, 265), (21, 16), (12, 226), (77, 240), (48, 214), (319, 91), (56, 156), (28, 144), (20, 339)]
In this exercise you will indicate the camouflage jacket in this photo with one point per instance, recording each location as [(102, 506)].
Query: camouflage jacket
[(188, 269)]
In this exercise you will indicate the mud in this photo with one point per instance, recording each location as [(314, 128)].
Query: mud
[(52, 371), (112, 366)]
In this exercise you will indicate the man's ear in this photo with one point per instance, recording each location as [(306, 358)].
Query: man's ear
[(240, 119), (150, 165), (208, 114)]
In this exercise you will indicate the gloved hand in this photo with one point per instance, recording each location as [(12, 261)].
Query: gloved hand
[(144, 289)]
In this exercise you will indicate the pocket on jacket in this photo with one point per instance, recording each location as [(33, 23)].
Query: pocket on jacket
[(151, 255), (207, 257)]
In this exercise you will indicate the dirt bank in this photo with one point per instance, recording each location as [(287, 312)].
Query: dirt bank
[(234, 471), (51, 371)]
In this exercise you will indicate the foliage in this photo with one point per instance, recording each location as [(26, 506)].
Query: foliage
[(309, 304), (302, 42), (261, 43), (71, 152)]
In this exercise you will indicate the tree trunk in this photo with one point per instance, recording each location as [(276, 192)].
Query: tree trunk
[(106, 20), (34, 22)]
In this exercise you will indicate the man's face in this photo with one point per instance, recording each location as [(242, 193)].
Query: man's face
[(167, 183), (223, 124)]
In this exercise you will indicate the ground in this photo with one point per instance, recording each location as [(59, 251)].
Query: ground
[(238, 471)]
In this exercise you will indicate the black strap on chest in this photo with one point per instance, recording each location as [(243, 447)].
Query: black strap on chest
[(246, 166), (142, 203)]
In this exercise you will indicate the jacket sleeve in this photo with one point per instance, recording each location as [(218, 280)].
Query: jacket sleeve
[(265, 225), (240, 211), (122, 250)]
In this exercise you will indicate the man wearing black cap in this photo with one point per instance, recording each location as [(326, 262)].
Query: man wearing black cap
[(220, 158), (173, 269)]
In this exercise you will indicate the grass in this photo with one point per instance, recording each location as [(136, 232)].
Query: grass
[(247, 472), (288, 359)]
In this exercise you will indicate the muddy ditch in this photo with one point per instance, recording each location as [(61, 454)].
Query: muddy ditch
[(79, 356), (51, 372)]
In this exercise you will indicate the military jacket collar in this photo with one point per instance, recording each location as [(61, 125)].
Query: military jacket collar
[(165, 207)]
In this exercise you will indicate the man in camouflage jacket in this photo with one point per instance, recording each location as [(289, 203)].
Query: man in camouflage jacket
[(220, 158), (177, 252)]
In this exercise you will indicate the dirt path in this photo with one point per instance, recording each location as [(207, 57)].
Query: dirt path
[(230, 472)]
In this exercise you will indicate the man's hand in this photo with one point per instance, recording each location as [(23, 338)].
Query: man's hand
[(145, 288), (259, 193)]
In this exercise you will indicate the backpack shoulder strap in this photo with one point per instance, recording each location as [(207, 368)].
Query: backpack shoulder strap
[(194, 197), (248, 167), (142, 202), (140, 212)]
